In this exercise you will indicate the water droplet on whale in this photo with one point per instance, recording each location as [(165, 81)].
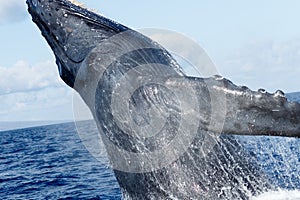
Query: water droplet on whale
[(279, 93), (218, 77), (244, 87), (261, 90)]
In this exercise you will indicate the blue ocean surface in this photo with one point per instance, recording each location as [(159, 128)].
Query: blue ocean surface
[(51, 162), (277, 157)]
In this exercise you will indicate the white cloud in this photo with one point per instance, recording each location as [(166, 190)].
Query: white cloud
[(52, 103), (12, 11), (23, 77), (270, 65), (34, 92)]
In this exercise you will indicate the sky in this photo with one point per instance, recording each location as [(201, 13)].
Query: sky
[(254, 43)]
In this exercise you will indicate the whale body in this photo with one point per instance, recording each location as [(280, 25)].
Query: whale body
[(100, 59)]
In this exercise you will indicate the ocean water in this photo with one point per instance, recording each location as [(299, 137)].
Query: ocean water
[(51, 162)]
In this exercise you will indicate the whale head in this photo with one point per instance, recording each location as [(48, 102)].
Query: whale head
[(71, 31)]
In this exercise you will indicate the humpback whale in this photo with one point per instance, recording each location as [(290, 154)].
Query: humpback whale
[(184, 156)]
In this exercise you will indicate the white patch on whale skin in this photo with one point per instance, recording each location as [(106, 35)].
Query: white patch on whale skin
[(77, 3), (82, 5), (279, 195)]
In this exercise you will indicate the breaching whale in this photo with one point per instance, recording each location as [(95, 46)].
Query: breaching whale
[(100, 58)]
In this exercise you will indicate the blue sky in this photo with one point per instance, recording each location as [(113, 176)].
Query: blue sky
[(255, 44)]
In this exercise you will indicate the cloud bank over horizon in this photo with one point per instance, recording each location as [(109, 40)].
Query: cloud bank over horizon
[(12, 11), (34, 92), (23, 77), (44, 105)]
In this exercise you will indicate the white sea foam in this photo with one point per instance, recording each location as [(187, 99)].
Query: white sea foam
[(279, 195)]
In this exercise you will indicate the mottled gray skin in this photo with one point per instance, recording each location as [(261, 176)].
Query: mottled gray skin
[(83, 51)]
